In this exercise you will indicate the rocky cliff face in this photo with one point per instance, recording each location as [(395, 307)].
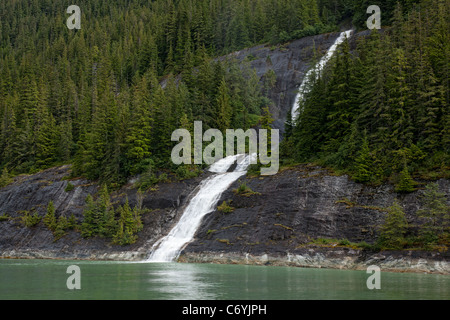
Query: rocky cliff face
[(290, 63), (273, 224), (31, 194), (300, 204)]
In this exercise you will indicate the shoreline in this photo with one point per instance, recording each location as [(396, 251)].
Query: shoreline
[(320, 258), (401, 262)]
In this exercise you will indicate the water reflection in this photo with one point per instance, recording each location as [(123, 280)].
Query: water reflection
[(182, 282)]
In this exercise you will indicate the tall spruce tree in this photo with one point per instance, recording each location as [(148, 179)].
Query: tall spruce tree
[(392, 233)]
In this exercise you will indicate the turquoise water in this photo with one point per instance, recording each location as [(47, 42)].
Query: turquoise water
[(47, 279)]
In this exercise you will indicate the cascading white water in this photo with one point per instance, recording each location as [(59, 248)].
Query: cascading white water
[(318, 69), (169, 247)]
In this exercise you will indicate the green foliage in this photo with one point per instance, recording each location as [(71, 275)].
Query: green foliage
[(405, 183), (392, 88), (98, 216), (129, 224), (245, 190), (106, 111), (100, 219), (364, 164), (50, 218), (69, 187), (187, 172), (392, 233), (61, 226), (99, 103), (225, 207), (436, 215), (29, 220), (5, 179), (151, 178)]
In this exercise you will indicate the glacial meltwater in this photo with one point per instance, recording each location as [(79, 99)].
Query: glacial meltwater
[(47, 279)]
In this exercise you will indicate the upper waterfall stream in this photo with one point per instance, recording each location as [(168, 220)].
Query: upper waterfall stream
[(317, 68), (169, 247)]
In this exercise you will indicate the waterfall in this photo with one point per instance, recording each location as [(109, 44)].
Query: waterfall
[(317, 68), (169, 247)]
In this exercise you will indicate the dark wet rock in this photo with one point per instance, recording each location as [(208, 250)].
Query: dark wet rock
[(32, 193), (290, 62), (296, 206)]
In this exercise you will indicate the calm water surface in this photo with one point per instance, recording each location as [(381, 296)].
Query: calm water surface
[(46, 279)]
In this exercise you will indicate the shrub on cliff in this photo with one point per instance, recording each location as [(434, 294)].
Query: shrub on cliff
[(49, 218), (225, 207), (245, 190), (98, 216), (30, 220), (58, 225)]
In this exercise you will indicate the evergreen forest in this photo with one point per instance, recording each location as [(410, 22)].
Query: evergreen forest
[(381, 110), (106, 98)]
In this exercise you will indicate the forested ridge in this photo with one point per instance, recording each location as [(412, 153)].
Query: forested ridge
[(382, 112), (93, 97)]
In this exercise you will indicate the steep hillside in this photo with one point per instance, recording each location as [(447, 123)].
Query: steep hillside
[(282, 217)]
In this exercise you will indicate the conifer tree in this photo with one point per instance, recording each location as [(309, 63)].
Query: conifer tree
[(5, 179), (399, 101), (223, 108), (8, 134), (429, 104), (139, 135), (364, 163), (50, 218), (405, 183), (371, 84), (436, 213), (162, 129), (89, 226), (126, 226), (341, 98), (29, 96), (98, 216), (392, 233), (148, 56)]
